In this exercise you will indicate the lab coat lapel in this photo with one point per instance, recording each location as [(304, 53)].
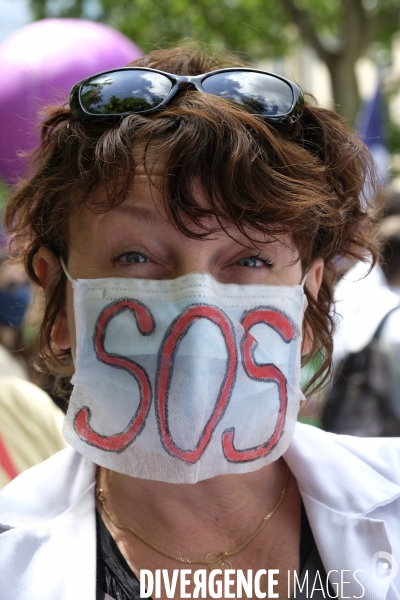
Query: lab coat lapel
[(337, 502), (33, 551), (66, 543), (347, 544)]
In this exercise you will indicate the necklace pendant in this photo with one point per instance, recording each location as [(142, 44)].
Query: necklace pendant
[(213, 567), (217, 561)]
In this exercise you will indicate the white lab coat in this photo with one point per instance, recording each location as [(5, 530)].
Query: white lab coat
[(350, 488)]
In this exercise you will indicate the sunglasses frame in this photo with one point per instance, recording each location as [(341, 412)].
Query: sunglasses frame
[(181, 83)]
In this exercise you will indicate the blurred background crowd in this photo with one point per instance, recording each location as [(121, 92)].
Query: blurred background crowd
[(344, 52)]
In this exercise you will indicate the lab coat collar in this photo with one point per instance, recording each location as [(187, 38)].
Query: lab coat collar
[(50, 511), (349, 474), (47, 490), (342, 480)]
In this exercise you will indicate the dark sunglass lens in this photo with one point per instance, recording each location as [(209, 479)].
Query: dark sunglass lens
[(260, 93), (124, 91)]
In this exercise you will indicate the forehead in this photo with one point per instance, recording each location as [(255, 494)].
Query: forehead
[(147, 200), (148, 197), (143, 216)]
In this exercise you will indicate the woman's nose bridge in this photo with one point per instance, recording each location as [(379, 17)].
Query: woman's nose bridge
[(195, 256), (193, 263)]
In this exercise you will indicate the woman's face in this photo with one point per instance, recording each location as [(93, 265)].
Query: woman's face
[(135, 239)]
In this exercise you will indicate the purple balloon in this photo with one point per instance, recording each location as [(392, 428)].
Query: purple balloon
[(39, 64)]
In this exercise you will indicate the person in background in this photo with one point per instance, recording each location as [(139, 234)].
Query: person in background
[(30, 422), (389, 233), (15, 298), (364, 396), (389, 340), (363, 296), (30, 427)]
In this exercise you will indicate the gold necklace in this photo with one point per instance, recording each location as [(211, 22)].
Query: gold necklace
[(213, 560)]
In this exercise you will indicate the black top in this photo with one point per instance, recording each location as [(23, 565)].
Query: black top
[(114, 575), (116, 581)]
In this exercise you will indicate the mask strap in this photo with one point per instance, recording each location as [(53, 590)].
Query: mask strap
[(302, 282), (64, 268)]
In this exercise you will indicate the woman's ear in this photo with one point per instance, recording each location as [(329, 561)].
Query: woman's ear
[(48, 271), (314, 277), (312, 285)]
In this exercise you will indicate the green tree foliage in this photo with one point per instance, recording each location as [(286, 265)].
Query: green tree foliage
[(340, 31), (3, 196)]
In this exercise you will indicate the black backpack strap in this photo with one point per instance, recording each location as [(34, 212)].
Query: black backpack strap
[(382, 324), (371, 348), (359, 376)]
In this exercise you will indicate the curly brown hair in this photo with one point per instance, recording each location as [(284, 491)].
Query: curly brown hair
[(306, 179)]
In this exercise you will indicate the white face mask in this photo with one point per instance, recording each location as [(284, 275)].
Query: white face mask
[(182, 380)]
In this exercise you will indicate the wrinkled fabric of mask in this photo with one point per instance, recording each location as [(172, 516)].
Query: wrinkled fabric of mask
[(183, 380)]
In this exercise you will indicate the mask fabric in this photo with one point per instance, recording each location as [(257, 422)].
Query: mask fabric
[(182, 380)]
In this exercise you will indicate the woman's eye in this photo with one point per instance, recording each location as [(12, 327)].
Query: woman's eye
[(131, 258), (254, 262)]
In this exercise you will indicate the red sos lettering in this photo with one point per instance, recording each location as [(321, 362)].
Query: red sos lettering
[(268, 372), (169, 348), (145, 322)]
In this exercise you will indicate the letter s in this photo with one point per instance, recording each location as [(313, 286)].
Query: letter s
[(268, 372), (145, 322)]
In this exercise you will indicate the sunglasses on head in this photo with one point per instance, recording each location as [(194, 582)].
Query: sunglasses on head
[(144, 91)]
